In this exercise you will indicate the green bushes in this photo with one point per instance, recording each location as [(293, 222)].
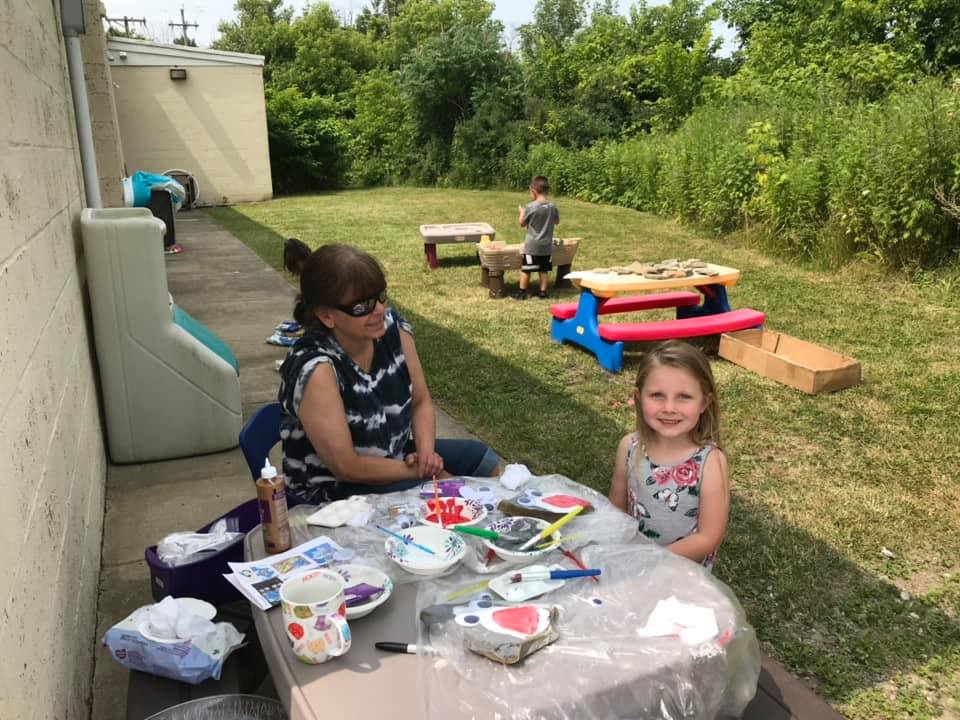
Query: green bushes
[(804, 170)]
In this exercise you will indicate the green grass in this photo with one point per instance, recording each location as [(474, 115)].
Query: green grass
[(821, 484)]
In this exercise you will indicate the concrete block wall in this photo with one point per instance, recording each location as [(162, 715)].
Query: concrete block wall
[(103, 109), (51, 439), (213, 124)]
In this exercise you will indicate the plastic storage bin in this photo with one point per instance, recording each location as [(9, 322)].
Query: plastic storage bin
[(204, 578)]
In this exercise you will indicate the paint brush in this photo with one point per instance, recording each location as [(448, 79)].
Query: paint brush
[(528, 575), (488, 534), (551, 543), (467, 590), (550, 529), (436, 502), (406, 541)]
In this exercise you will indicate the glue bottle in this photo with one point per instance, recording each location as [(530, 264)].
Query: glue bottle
[(272, 499)]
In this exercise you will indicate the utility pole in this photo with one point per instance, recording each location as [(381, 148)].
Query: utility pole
[(183, 25), (126, 22)]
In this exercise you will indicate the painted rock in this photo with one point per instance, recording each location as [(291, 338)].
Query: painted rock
[(502, 632), (544, 505)]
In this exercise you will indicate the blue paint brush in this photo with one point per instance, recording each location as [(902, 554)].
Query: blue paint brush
[(406, 541)]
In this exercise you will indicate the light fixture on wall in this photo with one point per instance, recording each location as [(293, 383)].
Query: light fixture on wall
[(178, 73)]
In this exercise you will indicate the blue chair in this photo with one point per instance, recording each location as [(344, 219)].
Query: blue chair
[(258, 436)]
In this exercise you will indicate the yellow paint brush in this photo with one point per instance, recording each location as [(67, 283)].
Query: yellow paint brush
[(550, 529)]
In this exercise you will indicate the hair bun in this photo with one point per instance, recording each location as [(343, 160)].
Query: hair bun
[(295, 255)]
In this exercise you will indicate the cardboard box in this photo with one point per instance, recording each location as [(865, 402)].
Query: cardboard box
[(790, 361)]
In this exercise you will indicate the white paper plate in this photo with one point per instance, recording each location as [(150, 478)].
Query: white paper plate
[(353, 574), (197, 607)]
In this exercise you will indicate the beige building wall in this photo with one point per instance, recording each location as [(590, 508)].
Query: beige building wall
[(50, 433), (213, 124), (103, 112)]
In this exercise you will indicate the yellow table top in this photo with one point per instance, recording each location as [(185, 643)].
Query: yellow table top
[(608, 284)]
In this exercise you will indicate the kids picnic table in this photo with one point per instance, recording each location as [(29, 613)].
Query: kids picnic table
[(452, 233), (705, 312), (368, 684)]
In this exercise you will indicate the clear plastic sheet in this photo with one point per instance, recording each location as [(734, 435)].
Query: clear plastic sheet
[(606, 524), (601, 666)]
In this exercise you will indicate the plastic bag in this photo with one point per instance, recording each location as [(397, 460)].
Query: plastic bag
[(604, 664), (181, 548), (397, 511)]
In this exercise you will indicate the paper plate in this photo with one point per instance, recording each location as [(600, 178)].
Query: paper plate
[(448, 549), (197, 607), (145, 630), (353, 574)]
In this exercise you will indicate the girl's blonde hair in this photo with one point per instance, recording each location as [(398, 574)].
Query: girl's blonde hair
[(682, 355)]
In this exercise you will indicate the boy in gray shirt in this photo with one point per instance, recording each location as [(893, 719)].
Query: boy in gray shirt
[(539, 217)]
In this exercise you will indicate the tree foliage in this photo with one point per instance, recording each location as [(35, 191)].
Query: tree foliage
[(637, 108)]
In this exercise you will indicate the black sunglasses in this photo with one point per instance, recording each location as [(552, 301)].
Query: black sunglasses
[(364, 307)]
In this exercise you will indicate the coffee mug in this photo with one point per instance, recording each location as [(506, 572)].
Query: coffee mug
[(315, 615)]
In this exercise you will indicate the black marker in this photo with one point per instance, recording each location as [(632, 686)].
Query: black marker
[(396, 647)]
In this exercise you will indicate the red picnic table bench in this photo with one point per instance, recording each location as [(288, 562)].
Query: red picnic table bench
[(705, 313)]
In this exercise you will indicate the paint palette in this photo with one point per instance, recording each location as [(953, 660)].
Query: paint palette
[(518, 592), (523, 528), (453, 511)]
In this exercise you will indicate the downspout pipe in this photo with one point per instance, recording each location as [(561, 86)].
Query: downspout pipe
[(81, 111)]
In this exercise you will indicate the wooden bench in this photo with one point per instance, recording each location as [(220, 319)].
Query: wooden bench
[(630, 303), (687, 327)]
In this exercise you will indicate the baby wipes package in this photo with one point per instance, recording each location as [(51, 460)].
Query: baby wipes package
[(171, 640)]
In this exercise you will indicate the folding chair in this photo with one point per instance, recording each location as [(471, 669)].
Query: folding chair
[(258, 436)]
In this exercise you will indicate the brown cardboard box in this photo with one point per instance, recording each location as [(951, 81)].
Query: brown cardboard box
[(793, 362)]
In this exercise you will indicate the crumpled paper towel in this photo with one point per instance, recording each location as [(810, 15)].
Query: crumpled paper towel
[(177, 644), (514, 476), (694, 624)]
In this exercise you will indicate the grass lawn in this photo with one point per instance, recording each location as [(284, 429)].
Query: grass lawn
[(820, 484)]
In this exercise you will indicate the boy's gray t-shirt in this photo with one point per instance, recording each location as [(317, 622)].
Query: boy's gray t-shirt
[(540, 218)]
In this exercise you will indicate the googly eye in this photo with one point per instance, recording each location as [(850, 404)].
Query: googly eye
[(489, 506), (471, 619), (524, 501), (485, 603), (484, 489), (536, 493), (596, 602)]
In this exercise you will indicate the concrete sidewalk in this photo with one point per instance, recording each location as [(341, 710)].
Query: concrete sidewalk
[(224, 285)]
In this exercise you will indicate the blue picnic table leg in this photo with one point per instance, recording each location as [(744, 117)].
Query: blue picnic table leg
[(714, 302), (581, 330)]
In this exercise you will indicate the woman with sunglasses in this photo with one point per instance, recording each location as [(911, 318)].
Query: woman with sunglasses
[(357, 415)]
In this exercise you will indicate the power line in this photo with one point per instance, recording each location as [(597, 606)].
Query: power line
[(183, 25), (126, 22)]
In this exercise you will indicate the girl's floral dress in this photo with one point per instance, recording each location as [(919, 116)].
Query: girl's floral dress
[(665, 499)]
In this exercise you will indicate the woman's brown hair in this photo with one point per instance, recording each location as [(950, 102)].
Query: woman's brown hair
[(683, 355), (331, 275)]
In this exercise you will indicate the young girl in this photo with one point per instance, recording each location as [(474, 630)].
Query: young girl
[(671, 474)]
